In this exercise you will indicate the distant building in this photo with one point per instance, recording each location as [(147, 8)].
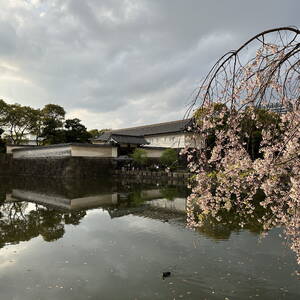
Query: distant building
[(154, 136), (277, 108)]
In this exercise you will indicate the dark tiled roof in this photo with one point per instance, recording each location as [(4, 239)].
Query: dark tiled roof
[(127, 139), (108, 136), (104, 136), (158, 128)]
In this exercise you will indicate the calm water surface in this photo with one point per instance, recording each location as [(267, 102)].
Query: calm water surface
[(101, 240)]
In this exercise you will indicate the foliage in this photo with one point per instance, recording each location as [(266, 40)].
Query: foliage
[(169, 193), (18, 120), (52, 120), (139, 156), (19, 223), (169, 158), (97, 132), (251, 150), (76, 132), (47, 124), (54, 112), (94, 133)]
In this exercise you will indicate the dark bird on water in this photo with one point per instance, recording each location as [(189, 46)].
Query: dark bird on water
[(166, 274)]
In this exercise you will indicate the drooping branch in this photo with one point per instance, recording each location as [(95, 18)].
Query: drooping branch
[(247, 116), (275, 62)]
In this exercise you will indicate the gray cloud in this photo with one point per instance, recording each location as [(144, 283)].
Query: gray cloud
[(118, 63)]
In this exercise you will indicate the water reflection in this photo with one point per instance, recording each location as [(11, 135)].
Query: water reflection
[(43, 207), (112, 240)]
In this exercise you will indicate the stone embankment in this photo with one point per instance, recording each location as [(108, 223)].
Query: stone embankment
[(6, 165), (81, 167), (66, 167), (158, 176)]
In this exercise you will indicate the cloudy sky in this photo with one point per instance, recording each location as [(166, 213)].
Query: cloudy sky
[(121, 63)]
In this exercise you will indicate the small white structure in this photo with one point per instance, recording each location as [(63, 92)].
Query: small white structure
[(10, 148), (66, 150)]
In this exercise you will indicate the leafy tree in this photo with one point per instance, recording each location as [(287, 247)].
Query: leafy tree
[(54, 112), (76, 132), (38, 126), (51, 134), (18, 121), (94, 133), (139, 156), (97, 132), (47, 124), (52, 120), (169, 158), (18, 223)]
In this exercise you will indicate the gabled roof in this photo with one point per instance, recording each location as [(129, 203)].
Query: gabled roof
[(152, 129), (104, 136), (127, 139), (108, 136)]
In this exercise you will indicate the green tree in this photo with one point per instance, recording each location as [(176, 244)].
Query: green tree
[(169, 158), (97, 132), (52, 119), (54, 112), (76, 132), (51, 134), (18, 121), (139, 156), (94, 133)]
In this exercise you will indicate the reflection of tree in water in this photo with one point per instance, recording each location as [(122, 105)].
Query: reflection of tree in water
[(171, 192), (220, 226), (18, 223)]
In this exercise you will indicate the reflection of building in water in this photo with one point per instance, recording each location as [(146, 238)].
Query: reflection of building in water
[(118, 199), (63, 202), (178, 204), (158, 208)]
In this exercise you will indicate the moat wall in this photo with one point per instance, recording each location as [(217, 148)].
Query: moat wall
[(68, 167), (80, 167), (6, 165)]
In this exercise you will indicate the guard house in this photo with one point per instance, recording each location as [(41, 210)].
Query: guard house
[(154, 137), (125, 143)]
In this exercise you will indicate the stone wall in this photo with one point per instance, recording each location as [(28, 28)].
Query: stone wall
[(79, 167), (68, 167), (6, 163)]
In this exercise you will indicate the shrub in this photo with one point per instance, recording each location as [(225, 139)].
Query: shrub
[(139, 156), (169, 158)]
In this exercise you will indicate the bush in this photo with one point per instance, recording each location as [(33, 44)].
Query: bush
[(169, 158), (139, 156)]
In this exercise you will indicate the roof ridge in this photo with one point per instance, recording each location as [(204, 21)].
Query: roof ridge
[(131, 135), (150, 125)]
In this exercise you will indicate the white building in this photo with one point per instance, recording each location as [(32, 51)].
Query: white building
[(160, 135)]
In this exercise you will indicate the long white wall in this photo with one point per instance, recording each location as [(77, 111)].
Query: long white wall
[(42, 152), (95, 151), (67, 150)]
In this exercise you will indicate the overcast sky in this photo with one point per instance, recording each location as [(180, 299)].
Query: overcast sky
[(121, 63)]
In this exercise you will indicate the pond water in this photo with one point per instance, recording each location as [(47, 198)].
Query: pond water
[(114, 240)]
